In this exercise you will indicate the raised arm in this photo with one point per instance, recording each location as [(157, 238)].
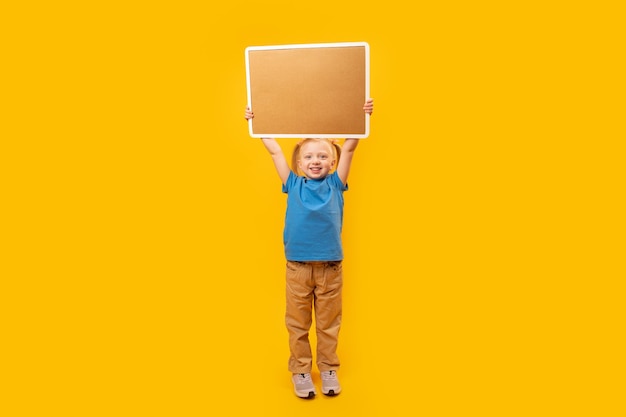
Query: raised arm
[(280, 163), (349, 146), (278, 157), (347, 152)]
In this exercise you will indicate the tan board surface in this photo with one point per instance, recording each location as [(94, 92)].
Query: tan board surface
[(308, 90)]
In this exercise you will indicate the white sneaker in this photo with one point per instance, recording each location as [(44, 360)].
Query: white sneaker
[(303, 385), (330, 383)]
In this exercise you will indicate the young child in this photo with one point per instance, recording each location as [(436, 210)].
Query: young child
[(312, 238)]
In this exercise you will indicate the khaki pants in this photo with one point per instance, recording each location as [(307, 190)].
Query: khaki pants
[(313, 286)]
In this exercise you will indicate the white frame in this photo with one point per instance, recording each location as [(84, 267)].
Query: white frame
[(311, 45)]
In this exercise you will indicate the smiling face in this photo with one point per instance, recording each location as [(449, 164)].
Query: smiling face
[(316, 159)]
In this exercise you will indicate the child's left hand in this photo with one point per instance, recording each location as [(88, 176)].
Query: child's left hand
[(368, 107)]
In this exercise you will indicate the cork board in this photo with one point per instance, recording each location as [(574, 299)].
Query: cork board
[(308, 90)]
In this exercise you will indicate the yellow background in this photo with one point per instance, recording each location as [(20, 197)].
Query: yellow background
[(142, 265)]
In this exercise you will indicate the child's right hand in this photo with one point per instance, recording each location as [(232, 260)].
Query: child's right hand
[(249, 115)]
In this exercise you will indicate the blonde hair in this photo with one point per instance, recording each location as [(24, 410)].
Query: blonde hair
[(334, 146)]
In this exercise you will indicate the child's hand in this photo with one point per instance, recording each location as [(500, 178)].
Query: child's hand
[(368, 107), (249, 115)]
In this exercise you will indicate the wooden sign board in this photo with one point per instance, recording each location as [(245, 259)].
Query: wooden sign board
[(308, 90)]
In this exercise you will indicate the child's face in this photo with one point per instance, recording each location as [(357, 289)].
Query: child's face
[(316, 159)]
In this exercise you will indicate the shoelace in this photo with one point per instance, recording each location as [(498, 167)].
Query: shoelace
[(329, 375), (303, 378)]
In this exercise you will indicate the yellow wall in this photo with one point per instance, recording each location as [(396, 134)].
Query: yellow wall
[(142, 269)]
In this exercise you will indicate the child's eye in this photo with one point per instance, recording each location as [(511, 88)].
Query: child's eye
[(307, 156)]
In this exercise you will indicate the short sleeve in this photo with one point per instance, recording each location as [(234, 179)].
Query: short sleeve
[(288, 185), (336, 182)]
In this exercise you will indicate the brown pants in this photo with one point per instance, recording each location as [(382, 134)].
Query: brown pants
[(313, 286)]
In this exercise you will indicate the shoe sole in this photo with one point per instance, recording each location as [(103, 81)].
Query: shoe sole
[(308, 396), (331, 392)]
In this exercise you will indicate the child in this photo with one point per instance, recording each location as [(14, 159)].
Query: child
[(313, 248)]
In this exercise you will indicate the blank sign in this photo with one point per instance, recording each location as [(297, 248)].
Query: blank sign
[(308, 90)]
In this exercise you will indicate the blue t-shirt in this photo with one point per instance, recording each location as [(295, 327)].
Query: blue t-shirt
[(314, 218)]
